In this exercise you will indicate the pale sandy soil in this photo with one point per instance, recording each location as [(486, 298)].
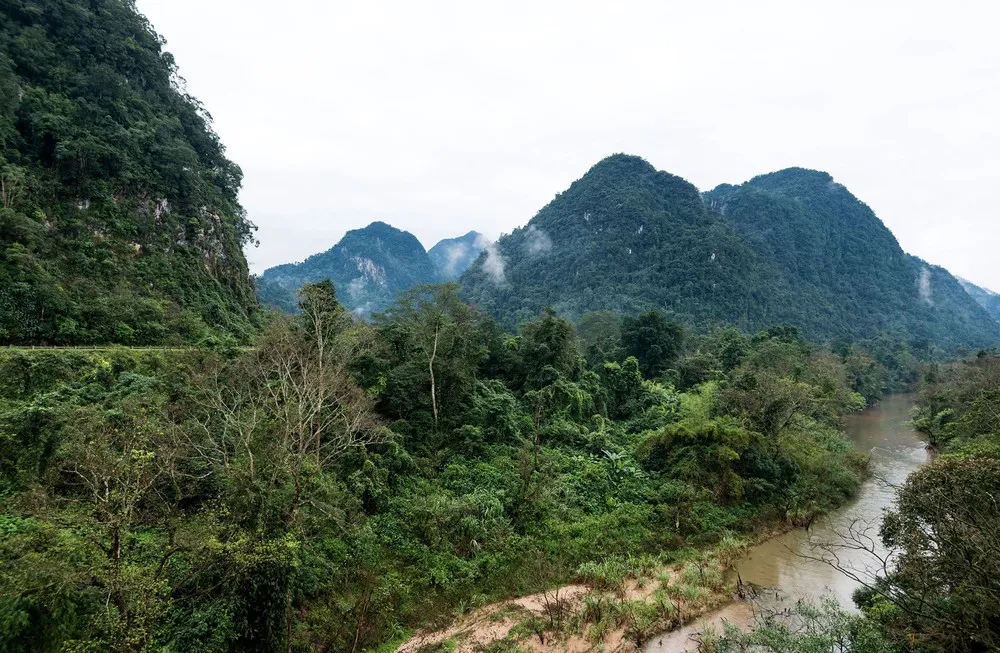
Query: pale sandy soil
[(685, 639), (494, 623)]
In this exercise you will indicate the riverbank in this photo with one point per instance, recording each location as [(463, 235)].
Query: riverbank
[(668, 610), (810, 565), (609, 613)]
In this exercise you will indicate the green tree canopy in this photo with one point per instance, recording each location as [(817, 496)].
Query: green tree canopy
[(653, 340)]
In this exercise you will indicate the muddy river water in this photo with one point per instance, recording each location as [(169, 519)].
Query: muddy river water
[(786, 564)]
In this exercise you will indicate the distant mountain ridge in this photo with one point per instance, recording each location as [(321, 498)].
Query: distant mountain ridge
[(789, 247), (368, 267), (986, 298), (452, 256)]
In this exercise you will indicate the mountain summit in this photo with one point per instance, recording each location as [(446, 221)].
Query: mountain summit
[(841, 271), (624, 237), (368, 267), (789, 247), (452, 256)]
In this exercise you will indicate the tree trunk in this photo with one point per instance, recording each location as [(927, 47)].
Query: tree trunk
[(430, 365)]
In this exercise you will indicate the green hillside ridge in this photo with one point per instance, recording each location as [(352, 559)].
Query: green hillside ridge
[(453, 256), (119, 218), (986, 298), (789, 247), (625, 237), (368, 267), (842, 271)]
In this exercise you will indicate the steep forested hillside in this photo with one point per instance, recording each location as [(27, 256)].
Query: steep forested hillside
[(452, 256), (984, 297), (368, 267), (791, 247), (119, 219), (624, 237), (841, 270)]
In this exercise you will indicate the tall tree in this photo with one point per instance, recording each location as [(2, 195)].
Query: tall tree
[(945, 581), (653, 340), (433, 330), (549, 346), (290, 406)]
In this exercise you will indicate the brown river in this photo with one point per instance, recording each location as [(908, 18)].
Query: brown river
[(787, 565)]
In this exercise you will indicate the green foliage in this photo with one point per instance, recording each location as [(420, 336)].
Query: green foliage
[(119, 218), (549, 350), (652, 340), (343, 482), (941, 591), (946, 583), (610, 574), (959, 403), (599, 333), (811, 629)]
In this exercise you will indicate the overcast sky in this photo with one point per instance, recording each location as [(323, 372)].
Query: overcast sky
[(441, 117)]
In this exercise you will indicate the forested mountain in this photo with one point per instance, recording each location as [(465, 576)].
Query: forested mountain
[(119, 219), (624, 237), (984, 297), (368, 267), (790, 247), (452, 256), (341, 483), (841, 270)]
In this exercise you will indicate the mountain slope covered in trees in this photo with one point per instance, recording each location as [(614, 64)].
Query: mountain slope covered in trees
[(368, 267), (625, 237), (842, 271), (791, 247), (453, 256), (119, 219)]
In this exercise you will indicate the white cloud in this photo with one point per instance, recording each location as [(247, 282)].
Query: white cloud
[(493, 264), (924, 285), (538, 242)]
